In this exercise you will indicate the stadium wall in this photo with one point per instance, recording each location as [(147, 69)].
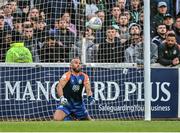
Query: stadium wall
[(24, 94)]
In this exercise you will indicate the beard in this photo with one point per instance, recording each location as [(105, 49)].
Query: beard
[(77, 70), (162, 33), (35, 18)]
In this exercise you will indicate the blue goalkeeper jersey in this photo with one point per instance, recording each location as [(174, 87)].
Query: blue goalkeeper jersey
[(74, 87), (73, 92)]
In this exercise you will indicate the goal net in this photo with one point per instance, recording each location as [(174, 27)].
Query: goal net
[(55, 31)]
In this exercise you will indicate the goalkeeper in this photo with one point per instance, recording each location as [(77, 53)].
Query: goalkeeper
[(70, 91)]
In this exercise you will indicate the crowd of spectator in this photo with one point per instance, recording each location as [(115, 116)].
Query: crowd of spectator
[(53, 30)]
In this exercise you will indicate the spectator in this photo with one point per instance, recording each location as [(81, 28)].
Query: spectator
[(177, 29), (51, 51), (76, 3), (66, 37), (42, 31), (56, 24), (135, 10), (30, 41), (141, 19), (135, 46), (115, 15), (33, 17), (134, 53), (2, 12), (4, 28), (52, 8), (102, 4), (121, 4), (15, 8), (100, 34), (101, 15), (169, 54), (127, 13), (23, 3), (18, 52), (71, 27), (170, 6), (25, 8), (8, 15), (42, 16), (6, 41), (3, 25), (110, 51), (91, 7), (123, 26), (90, 46), (27, 24), (17, 25), (161, 35), (168, 21), (153, 53), (159, 17)]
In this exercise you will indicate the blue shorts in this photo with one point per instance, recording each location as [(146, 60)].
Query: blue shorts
[(73, 111)]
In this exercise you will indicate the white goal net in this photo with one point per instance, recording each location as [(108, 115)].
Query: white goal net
[(55, 31)]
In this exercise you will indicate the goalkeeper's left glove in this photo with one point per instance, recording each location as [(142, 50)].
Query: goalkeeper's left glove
[(91, 100)]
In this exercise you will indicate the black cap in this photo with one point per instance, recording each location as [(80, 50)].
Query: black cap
[(167, 16), (134, 24)]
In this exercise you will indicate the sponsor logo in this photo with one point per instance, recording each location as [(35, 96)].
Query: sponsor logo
[(104, 91)]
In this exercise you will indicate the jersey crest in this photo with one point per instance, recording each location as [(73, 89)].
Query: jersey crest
[(75, 88), (80, 81)]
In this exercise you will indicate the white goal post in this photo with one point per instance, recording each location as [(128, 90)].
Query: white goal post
[(147, 69)]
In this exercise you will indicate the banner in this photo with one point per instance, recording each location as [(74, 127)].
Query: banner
[(27, 92), (165, 92)]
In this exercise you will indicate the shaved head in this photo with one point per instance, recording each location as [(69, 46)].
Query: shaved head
[(75, 59), (75, 65)]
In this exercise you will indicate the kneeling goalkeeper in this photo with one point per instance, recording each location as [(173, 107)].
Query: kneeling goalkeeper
[(70, 91)]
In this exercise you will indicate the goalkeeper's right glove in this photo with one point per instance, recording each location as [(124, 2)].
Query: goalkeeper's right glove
[(63, 100)]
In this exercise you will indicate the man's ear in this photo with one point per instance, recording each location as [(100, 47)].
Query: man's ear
[(70, 66)]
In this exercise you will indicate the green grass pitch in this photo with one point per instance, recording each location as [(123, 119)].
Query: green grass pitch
[(91, 126)]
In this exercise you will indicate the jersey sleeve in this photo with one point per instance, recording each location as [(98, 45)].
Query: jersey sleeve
[(86, 79), (65, 76)]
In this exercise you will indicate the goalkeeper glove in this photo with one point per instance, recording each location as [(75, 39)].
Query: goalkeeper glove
[(91, 100), (63, 100)]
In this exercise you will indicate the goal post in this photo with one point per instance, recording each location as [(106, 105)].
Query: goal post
[(147, 65)]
